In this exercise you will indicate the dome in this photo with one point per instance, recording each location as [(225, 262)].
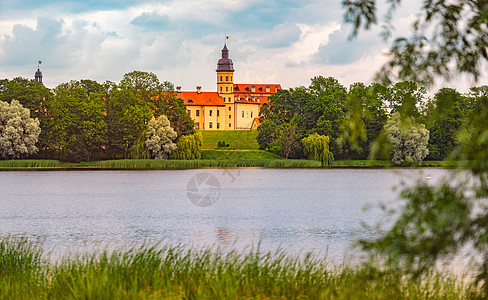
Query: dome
[(38, 76), (225, 63)]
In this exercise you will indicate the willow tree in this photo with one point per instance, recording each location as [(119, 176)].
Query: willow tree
[(317, 148), (189, 147)]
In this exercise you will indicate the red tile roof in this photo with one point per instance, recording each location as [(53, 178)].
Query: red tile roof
[(250, 99), (258, 88), (203, 98)]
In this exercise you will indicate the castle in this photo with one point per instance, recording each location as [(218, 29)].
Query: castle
[(233, 106)]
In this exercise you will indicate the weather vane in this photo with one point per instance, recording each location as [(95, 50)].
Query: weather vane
[(226, 38), (39, 63)]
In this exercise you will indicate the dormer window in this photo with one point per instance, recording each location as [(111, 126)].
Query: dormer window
[(261, 89), (190, 101), (247, 88)]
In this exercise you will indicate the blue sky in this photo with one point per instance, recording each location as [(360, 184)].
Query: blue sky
[(286, 42)]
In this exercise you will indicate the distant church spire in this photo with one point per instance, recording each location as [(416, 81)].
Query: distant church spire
[(38, 75)]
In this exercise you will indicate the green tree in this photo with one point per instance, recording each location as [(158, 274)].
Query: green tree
[(317, 148), (446, 113), (287, 141), (18, 131), (445, 39), (266, 134), (127, 117), (364, 119), (77, 126), (160, 138), (189, 147), (33, 96)]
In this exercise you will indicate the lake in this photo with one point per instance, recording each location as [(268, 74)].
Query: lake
[(298, 210)]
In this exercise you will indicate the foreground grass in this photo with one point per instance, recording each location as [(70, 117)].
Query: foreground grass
[(172, 272), (237, 139)]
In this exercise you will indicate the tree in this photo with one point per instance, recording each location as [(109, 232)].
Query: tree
[(77, 127), (408, 139), (438, 220), (364, 119), (18, 131), (318, 108), (446, 39), (160, 138), (33, 96), (189, 147), (446, 113), (317, 148), (127, 118), (287, 140)]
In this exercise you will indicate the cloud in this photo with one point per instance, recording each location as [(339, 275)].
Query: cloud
[(151, 21)]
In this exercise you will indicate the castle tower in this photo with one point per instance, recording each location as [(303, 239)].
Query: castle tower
[(225, 83), (38, 75)]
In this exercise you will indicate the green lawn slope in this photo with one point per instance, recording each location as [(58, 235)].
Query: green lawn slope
[(237, 139)]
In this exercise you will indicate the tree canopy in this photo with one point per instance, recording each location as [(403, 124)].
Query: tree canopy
[(448, 38)]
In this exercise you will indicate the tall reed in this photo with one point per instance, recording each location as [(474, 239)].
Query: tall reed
[(176, 272)]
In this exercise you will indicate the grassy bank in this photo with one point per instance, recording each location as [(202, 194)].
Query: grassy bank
[(237, 139), (238, 155), (169, 272), (210, 159), (190, 164)]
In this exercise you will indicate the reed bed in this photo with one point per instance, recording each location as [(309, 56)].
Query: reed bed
[(29, 163), (176, 272), (192, 164)]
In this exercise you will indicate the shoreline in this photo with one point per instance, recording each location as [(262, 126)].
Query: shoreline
[(151, 164)]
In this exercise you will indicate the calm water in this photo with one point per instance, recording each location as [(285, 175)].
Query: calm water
[(299, 210)]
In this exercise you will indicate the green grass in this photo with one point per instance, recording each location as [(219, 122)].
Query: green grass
[(191, 164), (174, 272), (237, 139), (29, 163), (238, 155)]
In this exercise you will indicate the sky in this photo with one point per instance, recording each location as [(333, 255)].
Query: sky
[(271, 41)]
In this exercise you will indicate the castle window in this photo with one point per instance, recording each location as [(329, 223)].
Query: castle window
[(231, 89), (230, 116), (197, 125), (247, 88), (220, 78), (230, 125), (267, 89), (197, 113), (226, 78), (243, 114), (261, 89), (210, 124), (237, 88), (251, 114), (226, 88), (210, 113), (230, 78), (218, 125), (221, 89), (189, 112), (217, 113), (230, 108)]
